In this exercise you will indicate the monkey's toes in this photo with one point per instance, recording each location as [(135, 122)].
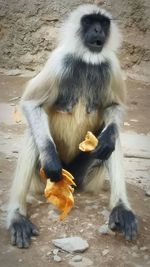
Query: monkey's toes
[(123, 220), (21, 230)]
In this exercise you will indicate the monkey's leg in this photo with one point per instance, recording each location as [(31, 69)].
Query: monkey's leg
[(88, 172), (121, 218), (78, 167), (21, 229)]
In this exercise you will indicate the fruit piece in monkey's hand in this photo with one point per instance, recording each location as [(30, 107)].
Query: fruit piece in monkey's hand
[(60, 193), (89, 143)]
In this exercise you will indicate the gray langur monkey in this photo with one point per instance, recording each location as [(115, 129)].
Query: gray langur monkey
[(79, 89)]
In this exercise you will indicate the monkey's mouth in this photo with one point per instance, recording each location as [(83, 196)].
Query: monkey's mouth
[(95, 46)]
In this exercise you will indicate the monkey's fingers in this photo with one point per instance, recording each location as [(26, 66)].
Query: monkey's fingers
[(68, 178), (21, 231), (124, 221), (34, 230)]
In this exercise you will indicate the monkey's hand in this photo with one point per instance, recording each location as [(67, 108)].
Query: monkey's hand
[(51, 163), (21, 230), (106, 143), (123, 220)]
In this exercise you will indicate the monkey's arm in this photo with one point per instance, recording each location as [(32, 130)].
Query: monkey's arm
[(41, 91), (107, 138), (112, 115)]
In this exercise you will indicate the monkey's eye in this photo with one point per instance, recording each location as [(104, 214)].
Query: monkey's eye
[(86, 21), (105, 22)]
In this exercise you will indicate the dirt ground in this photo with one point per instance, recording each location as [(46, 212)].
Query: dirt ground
[(89, 212)]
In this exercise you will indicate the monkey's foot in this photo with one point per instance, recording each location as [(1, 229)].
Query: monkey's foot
[(123, 220), (21, 230)]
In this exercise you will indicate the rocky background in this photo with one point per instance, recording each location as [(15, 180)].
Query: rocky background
[(28, 32)]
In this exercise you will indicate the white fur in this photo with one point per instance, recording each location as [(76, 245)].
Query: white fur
[(22, 180), (71, 42), (117, 179), (94, 179)]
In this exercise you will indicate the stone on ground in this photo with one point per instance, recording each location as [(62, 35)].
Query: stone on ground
[(71, 244)]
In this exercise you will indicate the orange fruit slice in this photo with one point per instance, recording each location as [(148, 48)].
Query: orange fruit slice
[(60, 194), (89, 143)]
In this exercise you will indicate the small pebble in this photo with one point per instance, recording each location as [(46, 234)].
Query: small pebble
[(20, 260), (144, 248), (134, 247), (7, 137), (126, 124), (34, 215), (134, 120), (68, 255), (8, 157), (33, 238), (87, 201), (14, 151), (14, 98), (55, 251), (57, 258), (105, 252), (48, 253), (147, 193), (77, 258), (104, 230), (106, 214)]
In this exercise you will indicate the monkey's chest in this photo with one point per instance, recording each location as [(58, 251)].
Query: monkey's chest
[(69, 129), (82, 81)]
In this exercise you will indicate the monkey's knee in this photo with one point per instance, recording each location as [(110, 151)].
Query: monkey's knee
[(123, 220), (94, 179), (21, 230)]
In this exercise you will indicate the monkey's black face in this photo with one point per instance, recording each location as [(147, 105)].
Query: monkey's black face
[(95, 30)]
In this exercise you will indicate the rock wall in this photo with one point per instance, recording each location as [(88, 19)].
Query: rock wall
[(28, 30)]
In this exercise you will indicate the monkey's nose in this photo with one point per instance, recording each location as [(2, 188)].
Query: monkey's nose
[(98, 28)]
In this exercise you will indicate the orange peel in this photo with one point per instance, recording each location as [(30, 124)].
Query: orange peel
[(89, 143), (60, 193)]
